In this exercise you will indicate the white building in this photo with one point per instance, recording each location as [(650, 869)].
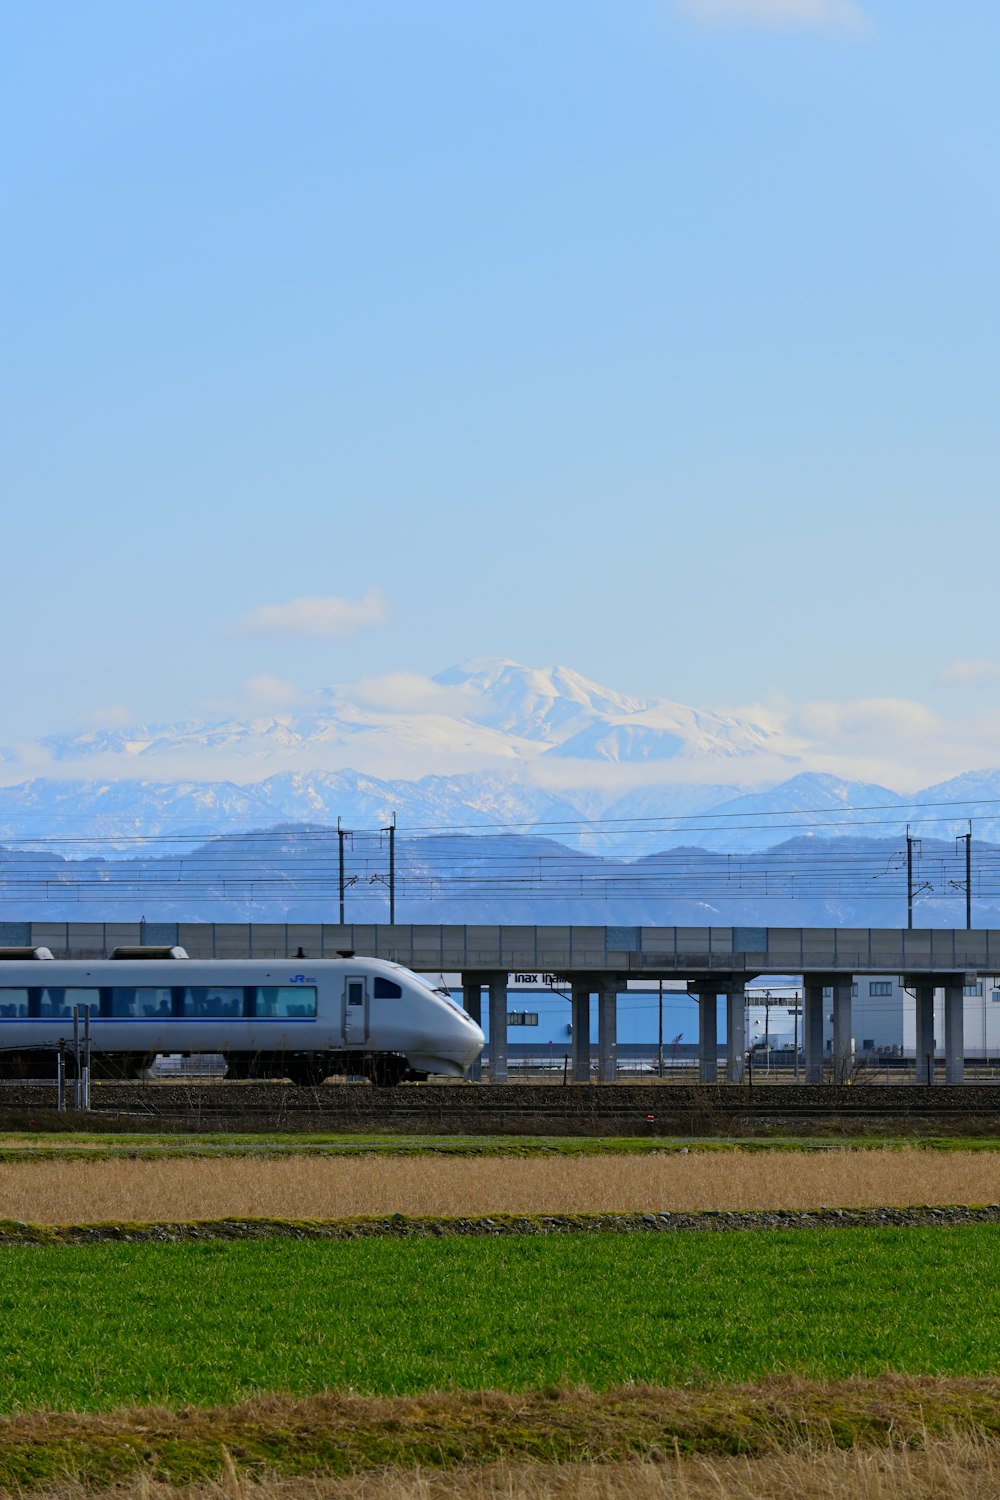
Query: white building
[(982, 1019), (883, 1016)]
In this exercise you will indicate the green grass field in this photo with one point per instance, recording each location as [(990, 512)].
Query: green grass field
[(94, 1327)]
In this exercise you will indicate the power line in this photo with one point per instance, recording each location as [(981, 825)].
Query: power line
[(647, 824), (284, 866)]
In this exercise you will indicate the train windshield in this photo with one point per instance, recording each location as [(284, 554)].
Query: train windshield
[(435, 989)]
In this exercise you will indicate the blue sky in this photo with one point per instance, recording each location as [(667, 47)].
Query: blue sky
[(343, 339)]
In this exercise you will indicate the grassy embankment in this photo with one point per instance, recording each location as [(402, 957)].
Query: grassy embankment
[(954, 1467), (52, 1191), (71, 1144)]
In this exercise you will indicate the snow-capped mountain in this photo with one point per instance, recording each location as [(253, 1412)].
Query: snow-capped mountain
[(548, 704), (580, 720), (496, 712), (121, 811), (488, 746)]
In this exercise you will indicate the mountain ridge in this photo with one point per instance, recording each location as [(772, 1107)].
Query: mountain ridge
[(488, 745), (487, 707), (716, 817)]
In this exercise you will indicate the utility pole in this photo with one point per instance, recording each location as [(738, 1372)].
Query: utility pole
[(391, 831), (659, 1047), (797, 1011), (77, 1065), (966, 839), (340, 840), (909, 878), (911, 889), (85, 1091)]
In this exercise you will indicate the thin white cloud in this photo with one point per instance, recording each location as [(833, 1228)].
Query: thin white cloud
[(875, 719), (898, 742), (322, 616), (776, 14), (962, 672), (271, 691), (409, 693), (619, 777), (115, 716)]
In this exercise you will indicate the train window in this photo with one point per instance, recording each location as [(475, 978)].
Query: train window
[(153, 1004), (52, 1006), (386, 989), (13, 1005), (428, 984), (218, 1002), (57, 1003), (122, 999), (292, 1002), (124, 1003), (120, 1002)]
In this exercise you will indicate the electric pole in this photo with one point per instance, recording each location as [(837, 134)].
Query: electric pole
[(911, 889), (391, 831), (966, 839), (340, 841), (909, 878), (659, 1047)]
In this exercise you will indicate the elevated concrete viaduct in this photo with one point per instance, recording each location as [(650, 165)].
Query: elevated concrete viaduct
[(599, 961)]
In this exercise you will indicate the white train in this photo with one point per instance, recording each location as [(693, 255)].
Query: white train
[(299, 1018)]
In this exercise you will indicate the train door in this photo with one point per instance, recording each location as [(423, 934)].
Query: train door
[(355, 1010)]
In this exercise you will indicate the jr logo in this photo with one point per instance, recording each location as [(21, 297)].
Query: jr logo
[(301, 979)]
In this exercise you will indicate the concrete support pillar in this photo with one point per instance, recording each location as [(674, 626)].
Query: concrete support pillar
[(607, 1030), (472, 1000), (736, 1032), (812, 1028), (708, 1035), (580, 1006), (924, 1048), (843, 1030), (498, 1028), (954, 1030)]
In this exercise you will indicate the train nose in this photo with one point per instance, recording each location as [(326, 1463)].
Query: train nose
[(469, 1042), (453, 1048)]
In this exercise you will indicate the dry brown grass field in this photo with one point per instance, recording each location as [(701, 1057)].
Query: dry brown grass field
[(949, 1468), (54, 1192)]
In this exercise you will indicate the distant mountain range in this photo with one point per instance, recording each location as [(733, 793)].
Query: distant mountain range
[(720, 818), (512, 748), (291, 875)]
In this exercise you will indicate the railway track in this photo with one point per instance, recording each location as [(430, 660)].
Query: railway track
[(484, 1108)]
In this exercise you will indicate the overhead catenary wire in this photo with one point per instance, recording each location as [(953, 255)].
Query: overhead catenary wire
[(503, 868), (701, 821)]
